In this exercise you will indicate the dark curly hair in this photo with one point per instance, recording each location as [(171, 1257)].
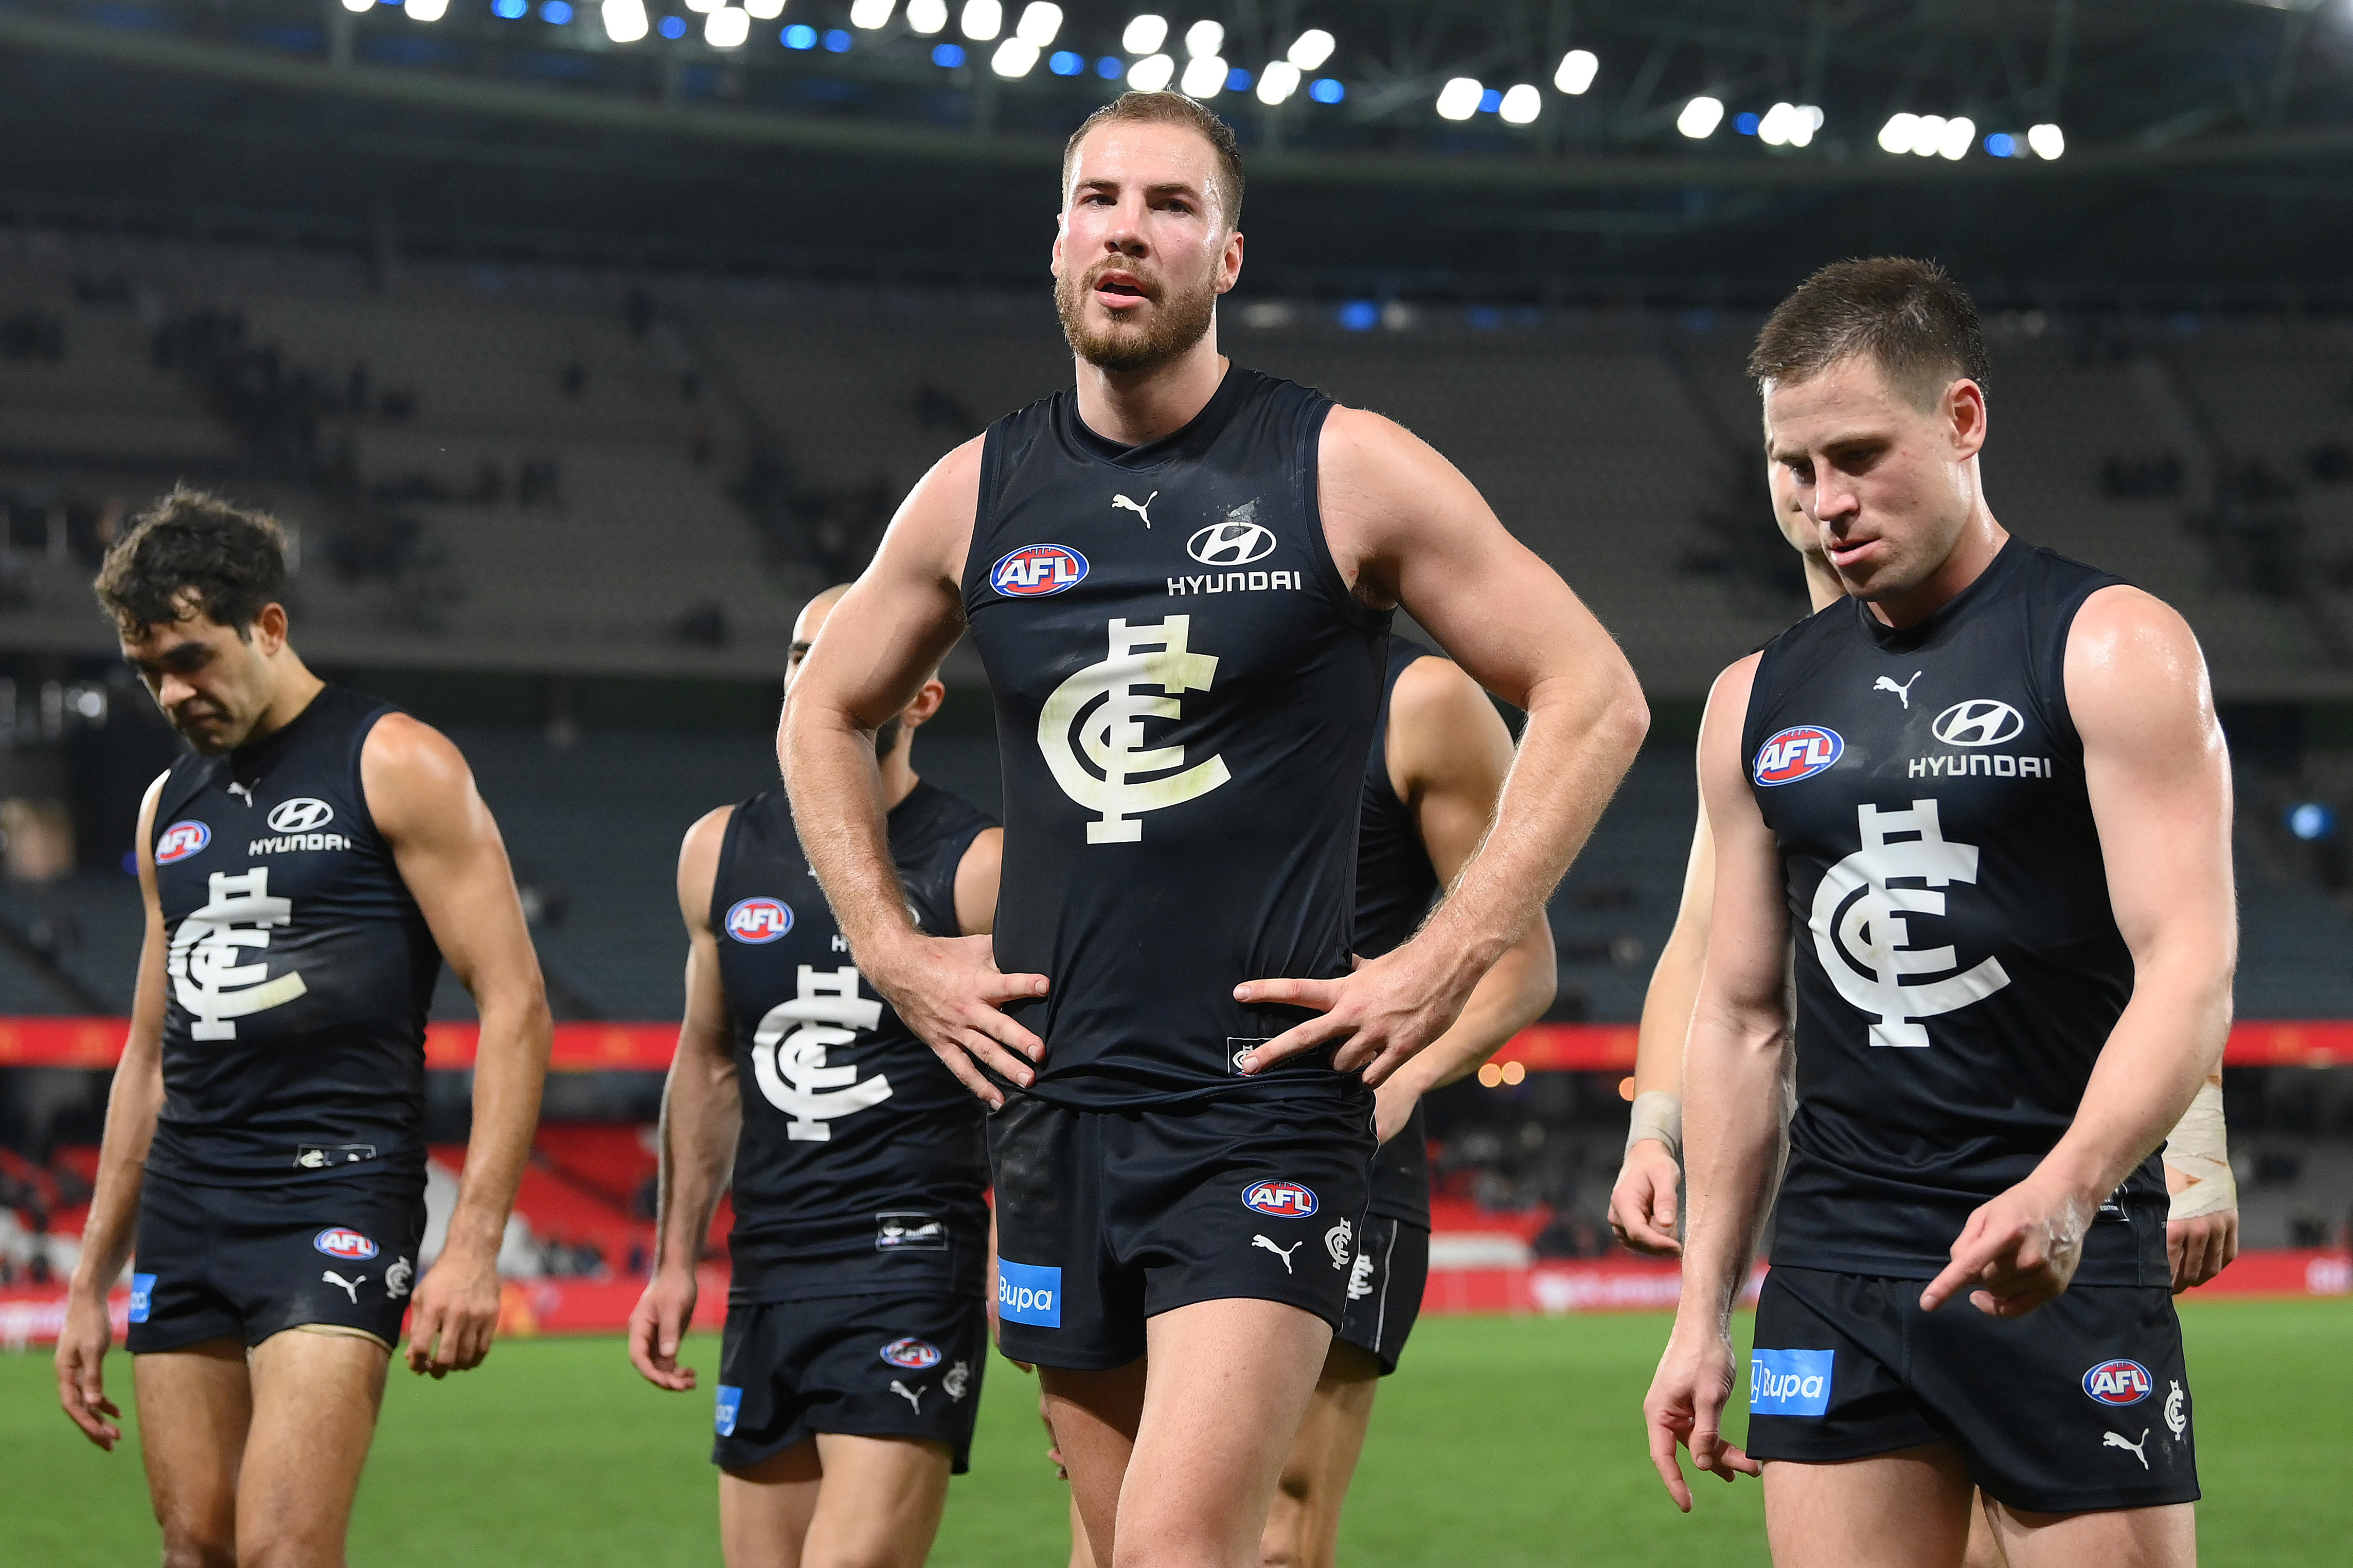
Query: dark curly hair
[(191, 554)]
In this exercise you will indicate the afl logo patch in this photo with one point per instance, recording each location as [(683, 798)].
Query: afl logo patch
[(2119, 1382), (348, 1245), (1797, 753), (181, 840), (1281, 1200), (914, 1355), (1231, 543), (757, 921), (302, 815), (1035, 571), (1980, 721)]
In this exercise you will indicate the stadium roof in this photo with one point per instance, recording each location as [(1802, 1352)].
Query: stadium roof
[(2184, 151)]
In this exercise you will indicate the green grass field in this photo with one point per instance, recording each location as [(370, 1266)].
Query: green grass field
[(1502, 1442)]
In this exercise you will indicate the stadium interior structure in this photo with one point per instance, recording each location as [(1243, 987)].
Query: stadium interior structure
[(578, 362)]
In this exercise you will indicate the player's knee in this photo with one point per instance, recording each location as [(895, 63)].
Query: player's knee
[(187, 1547), (272, 1548)]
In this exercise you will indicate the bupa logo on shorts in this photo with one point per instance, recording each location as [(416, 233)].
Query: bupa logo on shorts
[(181, 840), (914, 1355), (1035, 571), (302, 815), (759, 920), (142, 1297), (1799, 753), (1789, 1383), (731, 1404), (1282, 1200), (1027, 1293), (2119, 1382), (336, 1241)]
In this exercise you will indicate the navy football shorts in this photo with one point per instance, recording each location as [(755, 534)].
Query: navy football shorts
[(245, 1263), (1106, 1219), (1385, 1286), (905, 1365), (2081, 1404)]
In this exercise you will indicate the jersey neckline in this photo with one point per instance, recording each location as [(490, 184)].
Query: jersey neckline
[(1196, 432), (1920, 633)]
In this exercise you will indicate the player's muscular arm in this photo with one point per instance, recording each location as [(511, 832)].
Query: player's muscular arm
[(702, 1117), (2158, 777), (448, 853), (107, 1236), (1406, 528), (1449, 752), (883, 641), (1642, 1205), (1732, 1100)]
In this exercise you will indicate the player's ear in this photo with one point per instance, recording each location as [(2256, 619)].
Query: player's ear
[(926, 703), (1965, 406), (269, 629), (1229, 265)]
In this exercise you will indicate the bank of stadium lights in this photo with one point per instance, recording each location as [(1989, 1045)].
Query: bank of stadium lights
[(873, 16), (1152, 73), (1310, 49), (1700, 117), (926, 16), (1039, 24), (1144, 34), (1928, 135), (1788, 125), (726, 28), (1458, 99), (1277, 83), (625, 20), (981, 20), (1521, 104), (1577, 69)]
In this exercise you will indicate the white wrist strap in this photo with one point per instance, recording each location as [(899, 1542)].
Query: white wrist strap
[(2200, 1149), (1660, 1115)]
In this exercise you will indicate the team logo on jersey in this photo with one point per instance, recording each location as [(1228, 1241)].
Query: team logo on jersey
[(1091, 729), (303, 813), (1863, 941), (208, 979), (1142, 509), (2119, 1382), (1035, 571), (914, 1355), (181, 840), (1797, 753), (758, 921), (1980, 721), (788, 1052), (1281, 1200), (1237, 542), (337, 1241)]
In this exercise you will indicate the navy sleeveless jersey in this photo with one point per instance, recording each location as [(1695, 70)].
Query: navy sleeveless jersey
[(1396, 884), (1186, 690), (861, 1162), (298, 969), (1958, 965)]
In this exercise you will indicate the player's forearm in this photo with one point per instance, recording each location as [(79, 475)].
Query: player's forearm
[(510, 1070), (131, 1104), (835, 788), (1507, 999), (1667, 1009), (702, 1117), (1732, 1125)]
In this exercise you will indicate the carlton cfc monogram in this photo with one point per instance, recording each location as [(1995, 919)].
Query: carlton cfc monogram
[(1101, 711)]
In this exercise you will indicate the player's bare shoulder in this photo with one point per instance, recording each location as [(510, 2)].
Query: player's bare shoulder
[(932, 528), (2126, 641), (411, 771), (698, 865)]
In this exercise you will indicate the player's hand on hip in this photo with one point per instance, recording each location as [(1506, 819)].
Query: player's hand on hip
[(455, 1312), (2202, 1248), (657, 1324), (2019, 1250), (951, 993), (1643, 1204), (1381, 1014), (82, 1344), (1685, 1405)]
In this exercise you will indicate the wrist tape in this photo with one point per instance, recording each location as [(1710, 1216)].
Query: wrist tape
[(2200, 1149), (1660, 1115)]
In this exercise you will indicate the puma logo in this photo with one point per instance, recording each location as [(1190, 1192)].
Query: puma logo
[(351, 1287), (1142, 509), (2119, 1440), (913, 1396), (244, 792), (1902, 692), (1282, 1252)]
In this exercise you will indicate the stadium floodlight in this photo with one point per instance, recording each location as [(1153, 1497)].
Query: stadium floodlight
[(1203, 39), (1458, 99), (2311, 820), (1039, 22), (726, 28), (705, 6), (359, 7), (1144, 34), (1014, 58), (1279, 82), (982, 20), (764, 10), (1521, 104), (426, 10), (1927, 135), (625, 20), (1960, 134), (2049, 141), (1205, 77), (1896, 135), (1577, 69), (1773, 129), (1700, 117), (1311, 48), (873, 16), (926, 16), (1151, 73)]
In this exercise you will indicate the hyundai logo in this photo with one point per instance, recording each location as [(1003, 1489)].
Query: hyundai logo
[(1980, 721), (301, 815), (1231, 543)]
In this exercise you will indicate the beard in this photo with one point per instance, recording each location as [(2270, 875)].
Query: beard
[(1180, 319)]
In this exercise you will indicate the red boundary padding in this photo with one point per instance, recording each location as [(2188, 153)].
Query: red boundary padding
[(647, 1047)]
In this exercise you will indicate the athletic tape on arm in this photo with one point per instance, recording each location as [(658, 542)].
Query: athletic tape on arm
[(1660, 1115), (2200, 1149)]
